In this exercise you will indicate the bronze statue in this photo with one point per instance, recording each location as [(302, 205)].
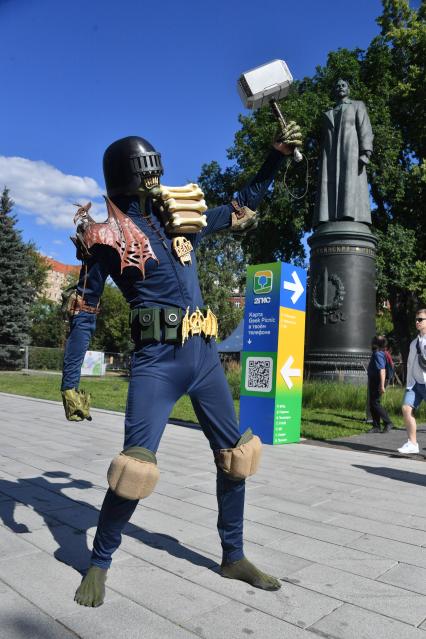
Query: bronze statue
[(347, 145)]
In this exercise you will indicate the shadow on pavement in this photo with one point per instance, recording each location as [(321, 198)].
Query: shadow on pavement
[(42, 495), (394, 473), (351, 444)]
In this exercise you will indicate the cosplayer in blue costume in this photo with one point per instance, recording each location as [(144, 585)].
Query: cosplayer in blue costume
[(148, 250)]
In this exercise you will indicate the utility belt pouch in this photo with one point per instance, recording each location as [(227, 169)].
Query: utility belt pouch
[(145, 324), (172, 324)]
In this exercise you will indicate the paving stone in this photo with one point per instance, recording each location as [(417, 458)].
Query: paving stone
[(367, 510), (17, 517), (273, 505), (162, 523), (166, 552), (22, 620), (39, 498), (45, 582), (77, 516), (315, 530), (263, 534), (396, 550), (161, 592), (291, 603), (271, 560), (419, 523), (12, 544), (177, 507), (350, 622), (366, 593), (68, 545), (237, 620), (409, 577), (332, 501), (341, 557), (390, 531), (124, 619)]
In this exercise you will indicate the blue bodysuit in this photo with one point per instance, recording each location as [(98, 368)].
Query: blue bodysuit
[(162, 372)]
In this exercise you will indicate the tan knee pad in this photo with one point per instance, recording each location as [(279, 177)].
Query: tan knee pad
[(243, 460), (133, 474)]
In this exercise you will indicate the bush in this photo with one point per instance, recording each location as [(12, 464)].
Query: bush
[(233, 375), (11, 357), (46, 359)]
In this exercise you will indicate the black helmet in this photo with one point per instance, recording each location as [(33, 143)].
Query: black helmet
[(128, 163)]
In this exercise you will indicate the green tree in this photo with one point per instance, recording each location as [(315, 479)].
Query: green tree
[(39, 269), (112, 326), (389, 78), (16, 292), (47, 324), (221, 261)]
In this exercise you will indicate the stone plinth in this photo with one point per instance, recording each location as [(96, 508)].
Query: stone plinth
[(341, 302)]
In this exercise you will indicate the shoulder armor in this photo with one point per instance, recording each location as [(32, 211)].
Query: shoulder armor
[(118, 231)]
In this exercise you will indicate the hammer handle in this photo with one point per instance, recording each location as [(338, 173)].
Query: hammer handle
[(278, 114)]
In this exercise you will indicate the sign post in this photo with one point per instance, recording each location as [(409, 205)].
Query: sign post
[(273, 348)]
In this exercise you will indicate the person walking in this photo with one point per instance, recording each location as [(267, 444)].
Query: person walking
[(416, 384), (376, 385)]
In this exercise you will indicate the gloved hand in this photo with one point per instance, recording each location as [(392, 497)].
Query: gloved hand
[(76, 404), (287, 137)]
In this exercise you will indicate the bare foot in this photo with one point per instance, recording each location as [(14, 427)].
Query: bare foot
[(244, 570), (91, 591)]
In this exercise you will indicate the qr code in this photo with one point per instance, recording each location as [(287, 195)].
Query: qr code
[(259, 374)]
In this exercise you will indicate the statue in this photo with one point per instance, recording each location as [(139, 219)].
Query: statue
[(347, 145)]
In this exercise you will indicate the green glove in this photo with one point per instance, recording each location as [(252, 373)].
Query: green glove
[(76, 404), (289, 133)]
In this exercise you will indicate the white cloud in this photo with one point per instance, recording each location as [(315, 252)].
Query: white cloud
[(60, 242), (41, 190)]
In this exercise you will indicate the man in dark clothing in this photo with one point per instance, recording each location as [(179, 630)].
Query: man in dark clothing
[(175, 351), (376, 385)]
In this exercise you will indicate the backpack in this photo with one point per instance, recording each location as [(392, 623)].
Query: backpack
[(389, 367)]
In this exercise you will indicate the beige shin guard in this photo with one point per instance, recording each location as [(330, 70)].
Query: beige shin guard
[(133, 474), (243, 460)]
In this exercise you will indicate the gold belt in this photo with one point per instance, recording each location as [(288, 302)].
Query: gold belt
[(198, 324)]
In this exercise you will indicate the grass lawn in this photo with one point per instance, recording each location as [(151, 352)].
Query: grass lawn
[(322, 417)]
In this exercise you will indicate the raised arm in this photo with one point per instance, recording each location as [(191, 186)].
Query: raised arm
[(233, 215), (83, 308)]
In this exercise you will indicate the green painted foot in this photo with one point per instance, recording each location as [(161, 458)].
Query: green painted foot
[(91, 591), (245, 571)]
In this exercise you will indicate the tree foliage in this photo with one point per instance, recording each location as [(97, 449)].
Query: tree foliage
[(112, 326), (16, 292), (47, 324), (38, 270), (389, 77), (221, 262)]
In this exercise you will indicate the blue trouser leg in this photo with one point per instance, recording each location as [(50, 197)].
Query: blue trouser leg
[(214, 407), (115, 513), (160, 375), (150, 400)]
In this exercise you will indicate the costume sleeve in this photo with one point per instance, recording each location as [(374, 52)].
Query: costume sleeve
[(251, 195), (82, 325), (363, 126)]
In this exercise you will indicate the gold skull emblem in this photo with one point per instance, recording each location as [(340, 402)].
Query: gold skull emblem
[(182, 248)]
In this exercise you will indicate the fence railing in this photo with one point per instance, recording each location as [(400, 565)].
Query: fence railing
[(15, 357)]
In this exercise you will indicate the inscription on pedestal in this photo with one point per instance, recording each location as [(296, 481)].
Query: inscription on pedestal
[(339, 249)]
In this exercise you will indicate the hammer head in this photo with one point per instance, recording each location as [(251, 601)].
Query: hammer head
[(260, 85)]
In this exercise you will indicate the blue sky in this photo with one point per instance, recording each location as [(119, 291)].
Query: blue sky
[(78, 75)]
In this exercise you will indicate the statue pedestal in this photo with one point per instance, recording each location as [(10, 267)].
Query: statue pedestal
[(341, 303)]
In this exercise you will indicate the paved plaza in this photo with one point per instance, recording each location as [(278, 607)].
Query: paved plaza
[(344, 530)]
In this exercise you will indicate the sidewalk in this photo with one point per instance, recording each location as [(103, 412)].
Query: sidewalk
[(344, 530)]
